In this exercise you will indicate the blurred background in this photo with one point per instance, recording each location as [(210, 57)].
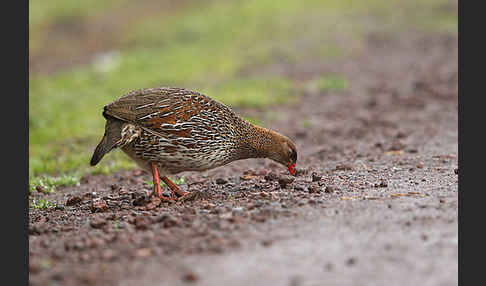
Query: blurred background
[(85, 54)]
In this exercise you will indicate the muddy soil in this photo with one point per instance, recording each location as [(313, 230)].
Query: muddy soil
[(374, 201)]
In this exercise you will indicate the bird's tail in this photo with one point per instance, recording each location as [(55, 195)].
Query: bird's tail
[(110, 140)]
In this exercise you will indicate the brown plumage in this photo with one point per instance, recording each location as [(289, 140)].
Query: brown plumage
[(171, 130)]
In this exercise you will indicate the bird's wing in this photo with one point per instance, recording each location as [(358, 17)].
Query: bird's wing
[(166, 110)]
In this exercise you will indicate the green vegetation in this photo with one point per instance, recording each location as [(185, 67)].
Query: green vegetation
[(331, 83), (232, 51), (42, 204), (47, 184), (177, 181)]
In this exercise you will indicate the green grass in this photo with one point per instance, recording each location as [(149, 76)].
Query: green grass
[(253, 92), (331, 83), (42, 204), (230, 50), (48, 184), (177, 181)]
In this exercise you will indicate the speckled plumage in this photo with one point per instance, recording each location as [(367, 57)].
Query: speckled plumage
[(182, 130)]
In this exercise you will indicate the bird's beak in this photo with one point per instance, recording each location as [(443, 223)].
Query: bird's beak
[(292, 168)]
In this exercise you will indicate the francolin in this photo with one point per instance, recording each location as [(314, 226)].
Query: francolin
[(171, 130)]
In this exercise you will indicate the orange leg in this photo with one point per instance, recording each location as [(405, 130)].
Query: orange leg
[(157, 189), (173, 187)]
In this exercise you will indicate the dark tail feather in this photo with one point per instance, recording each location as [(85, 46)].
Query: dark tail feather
[(109, 141), (100, 151)]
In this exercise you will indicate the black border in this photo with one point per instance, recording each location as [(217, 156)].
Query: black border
[(15, 88)]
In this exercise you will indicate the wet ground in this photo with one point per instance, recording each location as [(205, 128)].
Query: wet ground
[(374, 201)]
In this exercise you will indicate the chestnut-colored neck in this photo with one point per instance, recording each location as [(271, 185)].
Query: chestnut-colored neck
[(257, 142)]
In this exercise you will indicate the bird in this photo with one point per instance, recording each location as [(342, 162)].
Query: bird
[(168, 130)]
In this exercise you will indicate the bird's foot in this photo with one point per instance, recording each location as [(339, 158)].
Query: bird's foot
[(157, 192), (175, 190)]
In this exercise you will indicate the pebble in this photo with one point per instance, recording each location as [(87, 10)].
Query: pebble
[(285, 180), (313, 189), (299, 188), (237, 210), (141, 223), (267, 242), (190, 277), (316, 177), (271, 177), (97, 223), (300, 172), (351, 261), (343, 167), (221, 181), (382, 184), (98, 205), (144, 252), (73, 201), (329, 189)]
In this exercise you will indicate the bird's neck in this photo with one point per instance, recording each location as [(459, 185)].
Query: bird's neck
[(257, 142)]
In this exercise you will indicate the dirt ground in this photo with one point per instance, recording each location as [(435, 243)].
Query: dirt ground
[(374, 202)]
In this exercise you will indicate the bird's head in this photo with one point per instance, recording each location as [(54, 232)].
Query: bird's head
[(285, 153)]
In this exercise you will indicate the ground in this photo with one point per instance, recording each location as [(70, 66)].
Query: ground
[(374, 201)]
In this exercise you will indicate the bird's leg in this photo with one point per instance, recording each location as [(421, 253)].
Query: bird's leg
[(173, 187), (157, 189)]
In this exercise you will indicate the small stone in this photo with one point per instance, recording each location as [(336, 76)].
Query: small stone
[(34, 268), (382, 184), (227, 215), (316, 177), (351, 261), (456, 171), (299, 188), (97, 223), (167, 220), (329, 266), (313, 189), (221, 181), (285, 180), (40, 189), (329, 189), (108, 255), (400, 135), (300, 171), (237, 211), (140, 200), (343, 167), (73, 201), (396, 146), (154, 202), (271, 176), (141, 223), (190, 277), (144, 252), (38, 228), (267, 242), (98, 205), (420, 165)]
